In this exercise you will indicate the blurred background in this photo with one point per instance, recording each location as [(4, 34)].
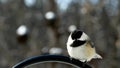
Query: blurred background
[(36, 27)]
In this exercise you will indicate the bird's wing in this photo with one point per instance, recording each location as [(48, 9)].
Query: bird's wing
[(91, 44)]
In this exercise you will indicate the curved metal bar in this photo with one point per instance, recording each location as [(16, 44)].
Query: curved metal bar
[(51, 58)]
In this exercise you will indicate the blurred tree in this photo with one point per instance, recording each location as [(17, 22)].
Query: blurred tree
[(53, 25), (110, 37)]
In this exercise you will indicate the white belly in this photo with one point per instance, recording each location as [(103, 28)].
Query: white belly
[(83, 53)]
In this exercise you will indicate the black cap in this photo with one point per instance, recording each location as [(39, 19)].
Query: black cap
[(76, 34)]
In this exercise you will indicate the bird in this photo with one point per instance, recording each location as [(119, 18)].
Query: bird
[(80, 47)]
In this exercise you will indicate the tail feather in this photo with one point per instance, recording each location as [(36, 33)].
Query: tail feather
[(97, 56)]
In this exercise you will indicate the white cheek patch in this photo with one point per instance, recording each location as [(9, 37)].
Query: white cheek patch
[(84, 37)]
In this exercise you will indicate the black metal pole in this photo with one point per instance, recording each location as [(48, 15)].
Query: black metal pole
[(52, 58)]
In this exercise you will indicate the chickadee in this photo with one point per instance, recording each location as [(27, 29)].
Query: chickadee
[(79, 46)]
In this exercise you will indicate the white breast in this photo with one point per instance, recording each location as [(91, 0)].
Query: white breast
[(83, 53)]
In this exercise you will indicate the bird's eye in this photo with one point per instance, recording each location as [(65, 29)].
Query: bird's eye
[(77, 43)]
